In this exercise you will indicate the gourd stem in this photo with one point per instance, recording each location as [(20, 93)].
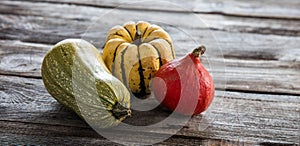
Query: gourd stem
[(199, 51), (120, 112)]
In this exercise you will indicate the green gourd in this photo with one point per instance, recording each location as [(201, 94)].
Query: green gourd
[(75, 74)]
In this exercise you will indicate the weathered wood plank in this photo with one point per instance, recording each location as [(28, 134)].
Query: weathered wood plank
[(21, 139), (85, 13), (53, 29), (267, 8), (255, 63), (260, 59), (275, 71), (232, 116), (19, 58)]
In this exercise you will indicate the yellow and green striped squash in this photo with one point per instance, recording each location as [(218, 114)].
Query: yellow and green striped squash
[(135, 51)]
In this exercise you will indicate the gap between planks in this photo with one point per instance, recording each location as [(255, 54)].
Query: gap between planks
[(12, 74)]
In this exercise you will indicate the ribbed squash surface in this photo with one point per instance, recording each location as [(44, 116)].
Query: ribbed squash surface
[(135, 51)]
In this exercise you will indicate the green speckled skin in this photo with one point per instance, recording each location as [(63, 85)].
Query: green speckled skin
[(75, 75)]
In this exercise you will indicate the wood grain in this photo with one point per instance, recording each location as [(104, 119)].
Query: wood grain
[(265, 9), (253, 54), (247, 116), (84, 13), (247, 56), (24, 59), (18, 139)]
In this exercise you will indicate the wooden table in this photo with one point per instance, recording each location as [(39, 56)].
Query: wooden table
[(257, 97)]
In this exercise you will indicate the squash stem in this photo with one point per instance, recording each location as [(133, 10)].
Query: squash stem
[(138, 40), (120, 112), (199, 51)]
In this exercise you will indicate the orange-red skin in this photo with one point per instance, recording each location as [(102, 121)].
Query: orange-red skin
[(185, 77)]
